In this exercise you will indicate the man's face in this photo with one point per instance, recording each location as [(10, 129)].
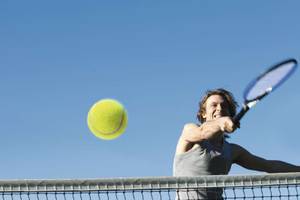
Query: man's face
[(215, 106)]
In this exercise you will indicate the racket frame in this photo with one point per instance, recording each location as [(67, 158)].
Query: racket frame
[(248, 103)]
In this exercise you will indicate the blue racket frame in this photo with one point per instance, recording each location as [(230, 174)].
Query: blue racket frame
[(250, 102), (253, 82)]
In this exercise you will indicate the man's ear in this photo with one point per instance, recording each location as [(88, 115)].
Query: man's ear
[(203, 115)]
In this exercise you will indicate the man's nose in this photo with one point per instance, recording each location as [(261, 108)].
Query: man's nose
[(219, 107)]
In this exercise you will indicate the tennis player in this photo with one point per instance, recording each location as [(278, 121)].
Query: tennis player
[(203, 149)]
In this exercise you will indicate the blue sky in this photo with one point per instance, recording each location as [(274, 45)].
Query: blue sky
[(58, 58)]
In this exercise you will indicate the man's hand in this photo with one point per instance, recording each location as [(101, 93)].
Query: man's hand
[(226, 124)]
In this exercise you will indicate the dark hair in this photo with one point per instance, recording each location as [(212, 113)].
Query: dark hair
[(222, 92)]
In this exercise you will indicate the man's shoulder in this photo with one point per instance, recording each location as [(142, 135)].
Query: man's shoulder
[(190, 125), (237, 150), (235, 146)]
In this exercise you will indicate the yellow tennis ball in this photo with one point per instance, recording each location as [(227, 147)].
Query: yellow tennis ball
[(107, 119)]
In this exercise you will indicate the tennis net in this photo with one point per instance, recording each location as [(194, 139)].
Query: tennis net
[(266, 186)]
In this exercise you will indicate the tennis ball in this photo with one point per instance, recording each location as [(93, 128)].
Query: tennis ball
[(107, 119)]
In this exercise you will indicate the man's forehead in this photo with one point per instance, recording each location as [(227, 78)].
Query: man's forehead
[(215, 98)]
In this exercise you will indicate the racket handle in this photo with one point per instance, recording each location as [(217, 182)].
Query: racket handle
[(240, 115)]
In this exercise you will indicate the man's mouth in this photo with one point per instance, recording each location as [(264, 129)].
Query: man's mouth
[(217, 115)]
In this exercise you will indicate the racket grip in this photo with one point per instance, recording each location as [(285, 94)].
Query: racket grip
[(239, 116)]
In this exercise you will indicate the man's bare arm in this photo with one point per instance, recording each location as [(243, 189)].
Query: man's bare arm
[(207, 130), (245, 159), (193, 133)]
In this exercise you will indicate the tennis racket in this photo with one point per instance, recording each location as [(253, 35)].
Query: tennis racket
[(264, 84)]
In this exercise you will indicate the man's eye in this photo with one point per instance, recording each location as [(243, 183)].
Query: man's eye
[(224, 105)]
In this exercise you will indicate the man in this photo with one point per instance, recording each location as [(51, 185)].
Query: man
[(203, 149)]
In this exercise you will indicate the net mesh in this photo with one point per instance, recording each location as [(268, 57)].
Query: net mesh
[(270, 186)]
